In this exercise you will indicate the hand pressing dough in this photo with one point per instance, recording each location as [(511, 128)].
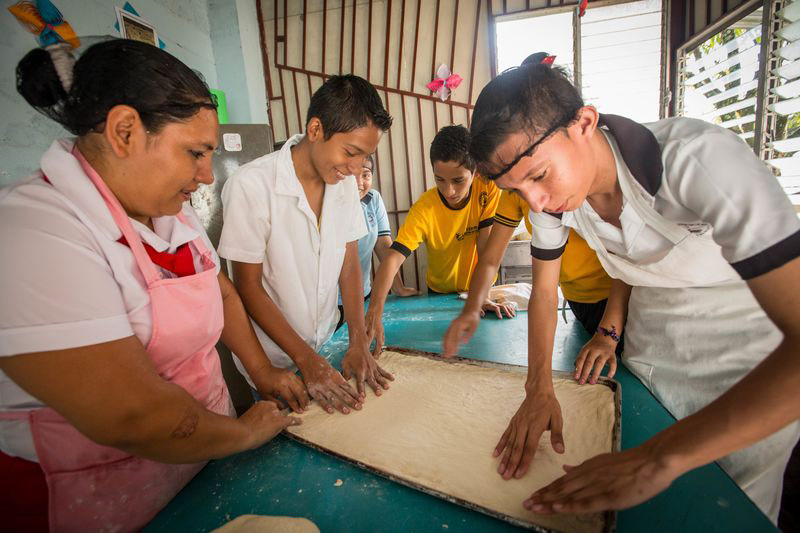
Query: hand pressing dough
[(439, 423), (251, 523)]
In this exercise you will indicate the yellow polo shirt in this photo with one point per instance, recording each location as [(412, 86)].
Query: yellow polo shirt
[(450, 235), (582, 277)]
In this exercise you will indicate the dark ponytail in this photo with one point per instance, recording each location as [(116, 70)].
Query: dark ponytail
[(115, 72), (531, 98)]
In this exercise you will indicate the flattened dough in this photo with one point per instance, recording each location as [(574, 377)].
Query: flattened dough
[(253, 523), (439, 422)]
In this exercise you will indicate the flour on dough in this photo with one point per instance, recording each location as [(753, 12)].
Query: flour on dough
[(439, 423), (252, 523)]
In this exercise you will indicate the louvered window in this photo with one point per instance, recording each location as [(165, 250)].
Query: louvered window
[(724, 80)]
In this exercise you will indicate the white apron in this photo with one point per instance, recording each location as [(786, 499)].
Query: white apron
[(694, 329)]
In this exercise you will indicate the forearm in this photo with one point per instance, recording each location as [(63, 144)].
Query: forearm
[(271, 320), (490, 254), (479, 286), (383, 279), (751, 410), (174, 428), (382, 248), (353, 295), (542, 318), (616, 311), (239, 336)]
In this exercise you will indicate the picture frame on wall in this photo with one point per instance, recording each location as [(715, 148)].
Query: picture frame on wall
[(136, 28)]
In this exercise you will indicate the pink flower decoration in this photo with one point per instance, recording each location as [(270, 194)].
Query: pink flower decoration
[(444, 82)]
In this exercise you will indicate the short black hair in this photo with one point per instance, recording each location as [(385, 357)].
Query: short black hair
[(452, 144), (371, 159), (532, 98), (111, 73), (345, 103)]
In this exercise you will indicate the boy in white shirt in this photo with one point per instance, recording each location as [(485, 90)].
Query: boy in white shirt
[(291, 224)]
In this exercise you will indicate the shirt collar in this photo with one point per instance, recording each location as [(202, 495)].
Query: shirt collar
[(639, 149), (286, 181), (367, 198), (65, 173), (466, 203)]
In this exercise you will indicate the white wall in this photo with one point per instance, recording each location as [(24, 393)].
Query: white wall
[(182, 24)]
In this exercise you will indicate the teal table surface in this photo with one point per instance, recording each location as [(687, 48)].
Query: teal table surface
[(286, 478)]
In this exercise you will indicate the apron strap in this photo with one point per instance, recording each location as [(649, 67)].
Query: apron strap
[(671, 231)]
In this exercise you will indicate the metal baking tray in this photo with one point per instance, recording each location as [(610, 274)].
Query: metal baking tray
[(610, 516)]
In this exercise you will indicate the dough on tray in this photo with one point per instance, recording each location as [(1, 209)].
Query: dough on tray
[(439, 423)]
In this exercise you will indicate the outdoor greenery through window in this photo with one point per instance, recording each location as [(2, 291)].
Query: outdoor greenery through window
[(720, 77), (723, 82)]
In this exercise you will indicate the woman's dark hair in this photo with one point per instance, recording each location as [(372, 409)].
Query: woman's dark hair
[(532, 98), (345, 103), (451, 143), (111, 73)]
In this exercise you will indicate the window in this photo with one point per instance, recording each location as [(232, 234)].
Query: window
[(615, 61), (722, 80)]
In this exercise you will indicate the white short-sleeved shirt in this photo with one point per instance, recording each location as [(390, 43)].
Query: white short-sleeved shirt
[(701, 177), (65, 280), (267, 220)]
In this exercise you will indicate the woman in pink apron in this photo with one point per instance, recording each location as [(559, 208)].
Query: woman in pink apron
[(111, 393), (683, 212)]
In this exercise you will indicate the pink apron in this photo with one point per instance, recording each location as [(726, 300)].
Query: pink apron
[(98, 488)]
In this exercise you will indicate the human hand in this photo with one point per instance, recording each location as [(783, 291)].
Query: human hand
[(361, 365), (327, 386), (280, 383), (264, 420), (508, 309), (607, 481), (374, 327), (539, 412), (460, 331), (595, 354)]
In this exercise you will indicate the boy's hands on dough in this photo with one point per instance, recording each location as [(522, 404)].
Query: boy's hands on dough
[(373, 322), (264, 420), (607, 481), (327, 386), (460, 331), (280, 383), (505, 308), (539, 412), (595, 354), (359, 364)]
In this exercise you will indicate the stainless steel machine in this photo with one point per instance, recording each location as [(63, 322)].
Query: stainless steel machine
[(238, 144)]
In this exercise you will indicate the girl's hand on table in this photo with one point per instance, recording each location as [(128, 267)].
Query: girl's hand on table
[(404, 291), (505, 308), (605, 482), (595, 354)]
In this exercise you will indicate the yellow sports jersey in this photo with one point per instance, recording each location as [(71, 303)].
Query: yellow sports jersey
[(450, 235), (582, 277)]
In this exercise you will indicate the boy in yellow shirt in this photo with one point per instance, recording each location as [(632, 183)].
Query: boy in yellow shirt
[(453, 219), (583, 282)]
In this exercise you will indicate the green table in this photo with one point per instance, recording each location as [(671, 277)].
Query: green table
[(286, 478)]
